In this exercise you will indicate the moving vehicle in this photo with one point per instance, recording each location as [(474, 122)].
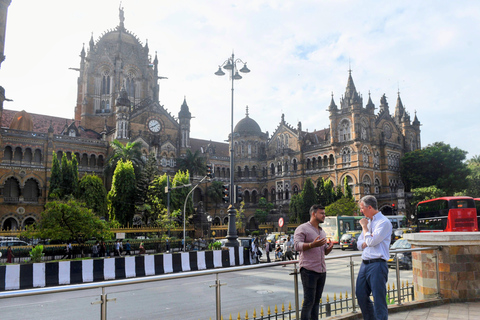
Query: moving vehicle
[(404, 258), (398, 233), (477, 205), (398, 221), (349, 240), (336, 226), (449, 214)]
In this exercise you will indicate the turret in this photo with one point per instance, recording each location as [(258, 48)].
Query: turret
[(184, 117)]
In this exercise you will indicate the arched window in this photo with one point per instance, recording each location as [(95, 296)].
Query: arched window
[(239, 172), (295, 189), (11, 190), (273, 195), (366, 157), (286, 166), (366, 184), (309, 165), (7, 153), (314, 163), (246, 196), (17, 156), (31, 191), (272, 169), (279, 167), (254, 172), (346, 157), (344, 131), (254, 196), (27, 157), (247, 172), (84, 162), (38, 156), (286, 141), (376, 160), (294, 164), (331, 160), (377, 186)]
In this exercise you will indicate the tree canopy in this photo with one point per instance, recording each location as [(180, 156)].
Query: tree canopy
[(194, 163), (69, 221), (122, 194), (132, 152), (93, 193), (63, 178), (437, 165)]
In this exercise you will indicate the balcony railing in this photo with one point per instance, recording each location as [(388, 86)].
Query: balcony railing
[(396, 295)]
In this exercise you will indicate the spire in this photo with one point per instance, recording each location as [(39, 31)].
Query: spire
[(246, 112), (91, 43), (332, 106), (415, 120), (184, 110), (351, 96), (370, 105), (399, 109)]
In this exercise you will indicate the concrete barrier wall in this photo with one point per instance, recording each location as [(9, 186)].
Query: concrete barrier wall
[(35, 275)]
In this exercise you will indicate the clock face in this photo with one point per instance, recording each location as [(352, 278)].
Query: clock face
[(154, 125)]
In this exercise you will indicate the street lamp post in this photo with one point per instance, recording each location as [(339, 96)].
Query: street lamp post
[(231, 65)]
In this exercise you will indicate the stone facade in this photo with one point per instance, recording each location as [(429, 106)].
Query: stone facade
[(118, 98), (458, 265)]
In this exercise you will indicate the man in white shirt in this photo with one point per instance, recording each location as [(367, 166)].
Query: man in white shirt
[(372, 278)]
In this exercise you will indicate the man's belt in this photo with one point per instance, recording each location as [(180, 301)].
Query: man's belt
[(373, 261)]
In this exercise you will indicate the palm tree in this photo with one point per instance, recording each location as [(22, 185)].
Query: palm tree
[(132, 151), (193, 162)]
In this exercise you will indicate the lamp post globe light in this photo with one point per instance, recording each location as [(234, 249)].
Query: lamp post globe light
[(231, 65)]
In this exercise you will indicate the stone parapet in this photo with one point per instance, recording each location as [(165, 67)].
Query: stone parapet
[(458, 265)]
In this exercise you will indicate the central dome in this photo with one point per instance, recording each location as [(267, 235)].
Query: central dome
[(247, 125)]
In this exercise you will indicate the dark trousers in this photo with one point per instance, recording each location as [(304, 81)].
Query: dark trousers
[(372, 279), (313, 284)]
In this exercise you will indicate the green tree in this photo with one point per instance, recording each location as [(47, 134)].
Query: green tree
[(55, 179), (157, 198), (132, 152), (347, 188), (214, 192), (264, 208), (92, 191), (344, 206), (329, 193), (147, 175), (436, 165), (240, 216), (296, 208), (473, 179), (320, 191), (68, 221), (338, 193), (193, 163), (122, 194), (308, 199)]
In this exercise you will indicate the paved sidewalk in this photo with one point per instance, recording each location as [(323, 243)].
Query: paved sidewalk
[(448, 311)]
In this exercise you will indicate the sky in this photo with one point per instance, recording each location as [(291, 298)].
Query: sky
[(299, 53)]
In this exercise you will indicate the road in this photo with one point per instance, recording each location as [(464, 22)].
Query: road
[(186, 299)]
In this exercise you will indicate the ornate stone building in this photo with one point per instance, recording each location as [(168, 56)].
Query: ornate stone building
[(118, 98)]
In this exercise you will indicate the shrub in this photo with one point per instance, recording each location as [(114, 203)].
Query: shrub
[(37, 254)]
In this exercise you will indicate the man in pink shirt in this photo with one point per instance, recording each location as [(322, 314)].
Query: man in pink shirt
[(311, 241)]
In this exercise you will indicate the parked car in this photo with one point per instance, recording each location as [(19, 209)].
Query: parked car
[(398, 233), (404, 258), (349, 240), (13, 243)]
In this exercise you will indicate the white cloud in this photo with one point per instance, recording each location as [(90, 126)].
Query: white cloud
[(299, 52)]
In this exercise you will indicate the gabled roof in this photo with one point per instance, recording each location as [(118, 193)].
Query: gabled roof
[(41, 123)]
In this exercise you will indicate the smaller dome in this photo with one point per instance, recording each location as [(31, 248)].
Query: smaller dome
[(22, 121), (247, 125)]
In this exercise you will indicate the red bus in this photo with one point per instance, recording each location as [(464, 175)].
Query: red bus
[(449, 214), (477, 204)]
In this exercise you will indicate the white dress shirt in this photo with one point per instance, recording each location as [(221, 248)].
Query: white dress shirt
[(377, 238)]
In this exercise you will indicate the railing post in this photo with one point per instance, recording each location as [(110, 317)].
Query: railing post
[(352, 279), (397, 267), (217, 297), (295, 284), (103, 304)]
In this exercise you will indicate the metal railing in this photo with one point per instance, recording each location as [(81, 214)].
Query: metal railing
[(349, 303)]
